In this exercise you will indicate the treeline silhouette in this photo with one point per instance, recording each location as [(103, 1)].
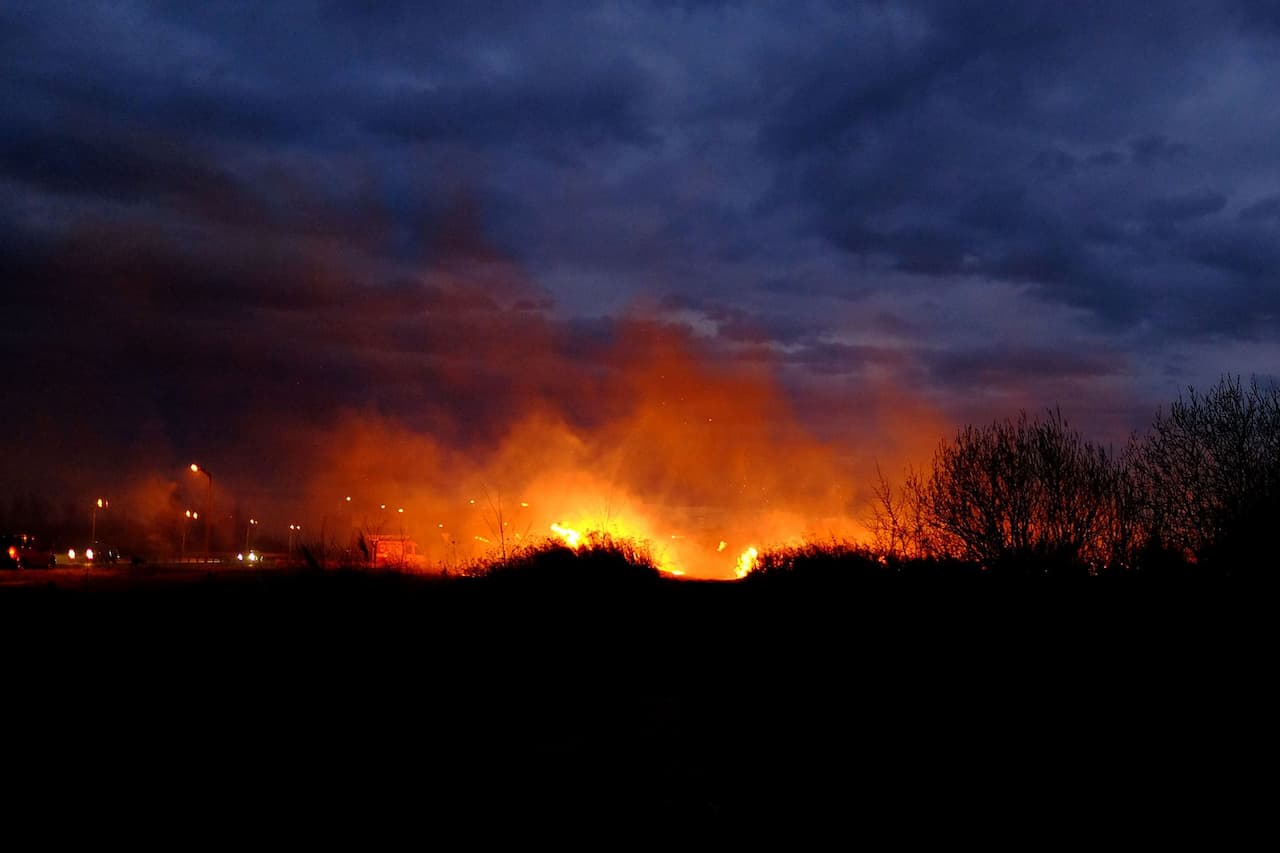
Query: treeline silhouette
[(1195, 494)]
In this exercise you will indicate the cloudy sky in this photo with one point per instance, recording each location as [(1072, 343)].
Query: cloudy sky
[(226, 227)]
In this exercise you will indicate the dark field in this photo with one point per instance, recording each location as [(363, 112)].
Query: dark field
[(358, 700)]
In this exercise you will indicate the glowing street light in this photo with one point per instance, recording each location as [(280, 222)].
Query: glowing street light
[(293, 528), (208, 510), (102, 503), (190, 516), (253, 522)]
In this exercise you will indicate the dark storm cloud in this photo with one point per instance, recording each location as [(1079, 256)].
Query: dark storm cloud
[(543, 112), (736, 325), (1250, 255), (1192, 205), (317, 205), (829, 358), (1267, 208), (132, 169), (1154, 148), (1018, 366), (221, 355), (949, 141)]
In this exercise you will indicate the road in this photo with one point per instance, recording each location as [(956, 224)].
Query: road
[(125, 574)]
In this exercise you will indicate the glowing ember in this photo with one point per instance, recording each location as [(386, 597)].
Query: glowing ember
[(723, 544), (746, 562), (571, 537)]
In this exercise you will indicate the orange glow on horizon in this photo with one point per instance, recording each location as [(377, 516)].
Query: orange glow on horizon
[(663, 445)]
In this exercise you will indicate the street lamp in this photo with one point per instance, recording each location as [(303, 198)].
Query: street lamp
[(208, 510), (293, 528), (247, 530), (102, 503)]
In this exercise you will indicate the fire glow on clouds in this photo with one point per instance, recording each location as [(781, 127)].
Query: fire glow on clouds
[(744, 252), (705, 462)]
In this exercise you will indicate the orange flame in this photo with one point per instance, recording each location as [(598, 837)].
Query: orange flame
[(571, 537), (747, 561)]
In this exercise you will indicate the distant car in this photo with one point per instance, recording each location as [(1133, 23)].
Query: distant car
[(24, 551), (94, 554)]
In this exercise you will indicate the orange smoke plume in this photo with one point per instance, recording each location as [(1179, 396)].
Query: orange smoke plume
[(697, 456)]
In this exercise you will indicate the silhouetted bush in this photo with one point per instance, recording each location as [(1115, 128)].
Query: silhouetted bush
[(818, 563), (600, 560), (827, 564)]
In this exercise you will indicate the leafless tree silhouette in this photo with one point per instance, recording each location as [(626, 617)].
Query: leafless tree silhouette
[(1018, 492), (1208, 473)]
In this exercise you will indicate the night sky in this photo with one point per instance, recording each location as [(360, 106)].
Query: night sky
[(335, 248)]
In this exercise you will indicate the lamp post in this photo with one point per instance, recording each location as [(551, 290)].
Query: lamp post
[(247, 530), (102, 503), (293, 528), (377, 536), (208, 510), (348, 530)]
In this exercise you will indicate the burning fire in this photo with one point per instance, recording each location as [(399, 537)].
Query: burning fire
[(658, 443), (571, 537)]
